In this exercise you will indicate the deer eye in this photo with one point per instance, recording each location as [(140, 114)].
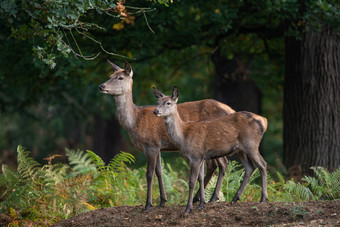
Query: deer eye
[(168, 103), (120, 78)]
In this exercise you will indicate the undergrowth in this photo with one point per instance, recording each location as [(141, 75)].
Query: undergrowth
[(36, 194)]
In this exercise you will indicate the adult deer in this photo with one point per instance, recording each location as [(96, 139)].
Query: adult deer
[(239, 132), (147, 132)]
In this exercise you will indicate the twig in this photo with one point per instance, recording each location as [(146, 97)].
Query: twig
[(88, 58), (101, 46), (81, 54), (146, 20)]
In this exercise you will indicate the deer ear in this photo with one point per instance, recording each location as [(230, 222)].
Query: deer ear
[(157, 93), (114, 67), (175, 93), (128, 69)]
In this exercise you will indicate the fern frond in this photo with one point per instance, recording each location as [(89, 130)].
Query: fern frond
[(280, 177), (299, 191), (326, 185), (336, 174), (53, 174), (9, 179), (323, 175), (96, 160), (118, 163), (232, 180), (81, 161), (336, 181), (27, 166), (256, 174)]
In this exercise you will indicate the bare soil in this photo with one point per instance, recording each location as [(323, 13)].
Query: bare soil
[(316, 213)]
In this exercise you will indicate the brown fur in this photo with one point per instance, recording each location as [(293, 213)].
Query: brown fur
[(239, 132), (147, 132)]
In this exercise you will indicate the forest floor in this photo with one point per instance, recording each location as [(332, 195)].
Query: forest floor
[(316, 213)]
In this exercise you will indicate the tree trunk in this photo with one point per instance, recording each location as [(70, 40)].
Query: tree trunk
[(312, 101), (232, 86), (107, 138)]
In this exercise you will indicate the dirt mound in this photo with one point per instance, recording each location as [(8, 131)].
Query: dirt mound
[(218, 214)]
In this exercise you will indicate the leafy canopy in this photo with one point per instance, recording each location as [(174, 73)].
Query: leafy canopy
[(56, 25)]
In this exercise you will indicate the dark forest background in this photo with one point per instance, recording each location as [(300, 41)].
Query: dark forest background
[(278, 58)]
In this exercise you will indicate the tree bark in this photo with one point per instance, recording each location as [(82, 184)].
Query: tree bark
[(233, 87), (311, 111), (107, 138)]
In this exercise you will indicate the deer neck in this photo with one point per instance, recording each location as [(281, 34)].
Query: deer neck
[(126, 110), (174, 128)]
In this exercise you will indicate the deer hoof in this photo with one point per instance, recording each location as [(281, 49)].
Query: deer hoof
[(263, 199), (235, 199), (147, 207), (163, 201), (213, 199), (187, 211)]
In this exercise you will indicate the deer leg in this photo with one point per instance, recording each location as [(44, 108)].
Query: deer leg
[(211, 167), (160, 180), (200, 180), (262, 165), (249, 169), (151, 157), (194, 169), (222, 165)]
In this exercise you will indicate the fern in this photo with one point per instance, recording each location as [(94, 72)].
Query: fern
[(96, 160), (232, 180), (53, 174), (209, 191), (282, 180), (299, 191), (174, 185), (82, 163), (255, 175), (326, 185), (27, 166), (118, 163), (8, 180)]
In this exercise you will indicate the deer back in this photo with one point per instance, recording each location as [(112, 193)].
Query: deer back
[(224, 135), (150, 131)]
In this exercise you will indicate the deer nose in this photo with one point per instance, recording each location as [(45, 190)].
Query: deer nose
[(155, 111), (101, 87)]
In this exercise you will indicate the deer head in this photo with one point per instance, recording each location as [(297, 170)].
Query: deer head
[(120, 81), (166, 104)]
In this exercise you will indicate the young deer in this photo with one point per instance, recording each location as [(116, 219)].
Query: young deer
[(147, 132), (239, 132)]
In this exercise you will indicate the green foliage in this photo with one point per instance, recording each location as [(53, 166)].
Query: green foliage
[(27, 166), (175, 182), (322, 13), (232, 180), (326, 185), (43, 195), (118, 162), (50, 21), (57, 27), (80, 161), (9, 180), (298, 192)]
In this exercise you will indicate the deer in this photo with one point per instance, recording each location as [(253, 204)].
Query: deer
[(147, 132), (239, 132)]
